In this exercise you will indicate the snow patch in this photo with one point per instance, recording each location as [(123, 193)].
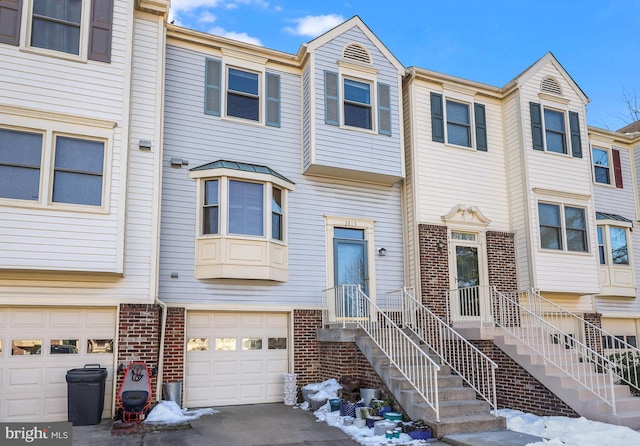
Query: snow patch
[(168, 412)]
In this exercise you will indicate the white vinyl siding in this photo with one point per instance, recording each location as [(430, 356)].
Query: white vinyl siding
[(192, 135)]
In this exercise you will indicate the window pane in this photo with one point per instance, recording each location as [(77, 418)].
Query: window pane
[(245, 107), (211, 192), (357, 116), (459, 135), (554, 126), (600, 157), (252, 344), (246, 208), (276, 214), (210, 209), (243, 81), (78, 171), (601, 251), (354, 234), (26, 347), (619, 252), (576, 229), (463, 236), (99, 345), (277, 343), (226, 344), (550, 235), (198, 344), (457, 112), (355, 91), (555, 142), (550, 238), (20, 154), (63, 346), (602, 175), (549, 214), (56, 25)]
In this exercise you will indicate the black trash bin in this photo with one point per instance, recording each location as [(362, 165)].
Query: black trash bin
[(85, 394)]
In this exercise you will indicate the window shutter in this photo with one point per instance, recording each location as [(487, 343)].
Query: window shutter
[(331, 115), (10, 17), (212, 87), (576, 141), (617, 168), (384, 109), (536, 126), (481, 127), (437, 118), (273, 100), (100, 30)]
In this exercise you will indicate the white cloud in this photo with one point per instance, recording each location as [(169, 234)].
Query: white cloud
[(242, 37), (206, 17), (313, 26)]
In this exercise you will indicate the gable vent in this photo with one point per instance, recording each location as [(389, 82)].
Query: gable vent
[(356, 52), (550, 85)]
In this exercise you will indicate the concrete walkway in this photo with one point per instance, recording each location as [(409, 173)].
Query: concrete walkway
[(263, 425)]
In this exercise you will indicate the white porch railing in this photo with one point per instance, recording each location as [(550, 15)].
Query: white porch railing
[(624, 356), (556, 335), (469, 304), (464, 358), (348, 304)]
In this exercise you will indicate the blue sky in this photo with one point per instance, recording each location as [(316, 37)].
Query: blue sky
[(491, 41)]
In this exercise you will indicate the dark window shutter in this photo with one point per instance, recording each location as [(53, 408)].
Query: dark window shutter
[(437, 118), (576, 141), (10, 17), (481, 127), (536, 126), (384, 109), (100, 30), (331, 105), (212, 87), (617, 168), (273, 100)]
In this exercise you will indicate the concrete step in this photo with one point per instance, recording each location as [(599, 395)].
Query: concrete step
[(454, 409), (468, 423)]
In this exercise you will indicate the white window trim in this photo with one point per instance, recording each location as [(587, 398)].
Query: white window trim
[(25, 34), (359, 73), (606, 238), (567, 130), (472, 121), (563, 228), (51, 125), (612, 181)]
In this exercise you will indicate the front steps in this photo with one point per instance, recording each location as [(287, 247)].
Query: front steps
[(460, 411), (576, 396)]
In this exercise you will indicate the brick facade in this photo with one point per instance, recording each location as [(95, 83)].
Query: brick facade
[(306, 347), (434, 268), (174, 345), (139, 336), (593, 338), (501, 261), (517, 389)]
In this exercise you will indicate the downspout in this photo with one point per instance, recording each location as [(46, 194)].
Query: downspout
[(163, 329)]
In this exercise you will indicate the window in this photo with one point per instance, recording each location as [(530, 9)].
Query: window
[(562, 226), (601, 171), (612, 245), (549, 130), (357, 104), (77, 165), (80, 28), (607, 167), (246, 97), (453, 122), (619, 342), (358, 99), (242, 221)]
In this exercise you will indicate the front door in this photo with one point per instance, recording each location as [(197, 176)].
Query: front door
[(351, 266), (465, 268)]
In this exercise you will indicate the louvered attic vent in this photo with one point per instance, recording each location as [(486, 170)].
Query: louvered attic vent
[(550, 85), (356, 52)]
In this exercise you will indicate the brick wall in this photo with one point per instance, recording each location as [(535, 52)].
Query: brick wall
[(174, 345), (517, 389), (139, 336), (434, 268), (306, 347), (501, 261)]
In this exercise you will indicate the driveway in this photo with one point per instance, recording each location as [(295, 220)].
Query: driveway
[(254, 425)]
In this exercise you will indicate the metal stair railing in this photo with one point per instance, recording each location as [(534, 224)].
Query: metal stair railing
[(464, 358), (552, 333), (624, 356), (348, 304)]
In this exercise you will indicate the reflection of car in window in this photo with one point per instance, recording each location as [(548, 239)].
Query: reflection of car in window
[(64, 349)]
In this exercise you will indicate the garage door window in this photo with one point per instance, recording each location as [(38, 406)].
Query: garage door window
[(252, 344), (99, 345), (226, 344), (198, 345), (64, 347), (21, 347), (277, 343), (0, 348)]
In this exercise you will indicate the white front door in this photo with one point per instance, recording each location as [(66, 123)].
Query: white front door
[(467, 279)]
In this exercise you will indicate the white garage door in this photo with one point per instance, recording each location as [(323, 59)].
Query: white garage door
[(37, 348), (235, 358)]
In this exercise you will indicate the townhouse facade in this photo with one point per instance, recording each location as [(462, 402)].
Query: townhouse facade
[(80, 145), (193, 202)]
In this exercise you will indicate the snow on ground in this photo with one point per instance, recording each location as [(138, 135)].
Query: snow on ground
[(564, 431), (168, 412)]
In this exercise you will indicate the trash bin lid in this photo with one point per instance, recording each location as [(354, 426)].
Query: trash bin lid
[(87, 374)]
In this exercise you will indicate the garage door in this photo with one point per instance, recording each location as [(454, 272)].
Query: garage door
[(235, 358), (38, 346)]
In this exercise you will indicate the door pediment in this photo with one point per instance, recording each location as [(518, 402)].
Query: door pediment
[(463, 215)]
